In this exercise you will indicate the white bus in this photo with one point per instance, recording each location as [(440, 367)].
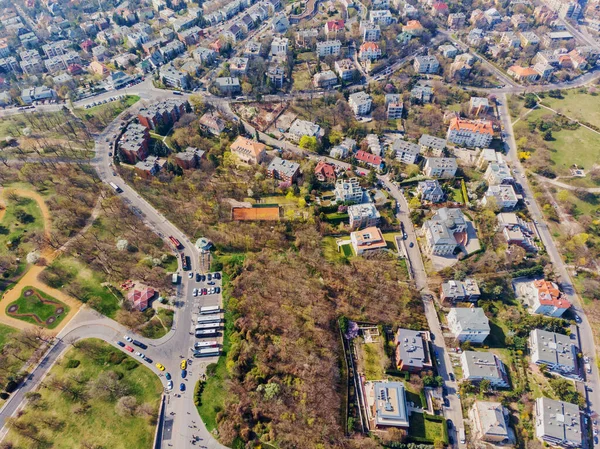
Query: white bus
[(209, 319), (206, 333), (200, 327), (115, 187), (207, 352), (209, 310), (206, 344)]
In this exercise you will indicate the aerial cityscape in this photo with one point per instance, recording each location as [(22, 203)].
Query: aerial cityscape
[(299, 224)]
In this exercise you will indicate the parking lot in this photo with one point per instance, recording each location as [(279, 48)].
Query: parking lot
[(207, 322)]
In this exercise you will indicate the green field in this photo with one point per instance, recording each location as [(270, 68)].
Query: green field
[(431, 430), (33, 308), (578, 105), (5, 333), (22, 216), (114, 108), (84, 412), (347, 250)]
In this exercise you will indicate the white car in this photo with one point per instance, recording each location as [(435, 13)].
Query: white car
[(190, 275), (128, 338), (138, 353), (195, 292)]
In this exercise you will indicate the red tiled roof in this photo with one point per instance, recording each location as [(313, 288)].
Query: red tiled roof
[(369, 158), (325, 169), (550, 295), (335, 25), (479, 126), (141, 297), (440, 6), (373, 46)]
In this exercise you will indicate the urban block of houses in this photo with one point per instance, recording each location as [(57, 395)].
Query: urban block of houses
[(133, 144), (440, 167), (478, 366), (504, 196), (363, 215), (283, 170), (412, 350), (457, 291), (248, 150), (489, 422), (468, 324), (556, 351), (360, 102), (445, 232), (430, 190), (470, 133), (542, 297), (368, 239), (432, 146), (386, 404), (406, 152), (348, 191), (558, 423), (372, 160)]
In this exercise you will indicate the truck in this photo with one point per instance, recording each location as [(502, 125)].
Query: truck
[(461, 436), (175, 278), (115, 187)]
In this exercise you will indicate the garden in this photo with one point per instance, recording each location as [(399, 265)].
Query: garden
[(36, 307)]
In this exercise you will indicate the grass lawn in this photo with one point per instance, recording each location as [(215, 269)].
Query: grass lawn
[(159, 325), (114, 108), (372, 360), (390, 239), (577, 105), (336, 217), (32, 303), (330, 251), (5, 333), (65, 423), (425, 428), (457, 195), (307, 56), (171, 264), (302, 79), (347, 250), (22, 215)]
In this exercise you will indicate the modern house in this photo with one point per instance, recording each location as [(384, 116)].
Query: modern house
[(478, 366), (301, 128), (406, 152), (363, 215), (558, 423), (503, 195), (360, 102), (489, 422), (430, 190), (431, 145), (412, 350), (498, 173), (283, 170), (556, 351), (468, 324), (386, 404), (445, 231), (457, 291), (348, 191), (426, 64), (248, 151), (369, 239), (440, 167)]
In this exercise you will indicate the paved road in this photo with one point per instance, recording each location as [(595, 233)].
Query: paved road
[(587, 337)]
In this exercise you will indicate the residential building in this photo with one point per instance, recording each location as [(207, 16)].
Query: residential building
[(369, 51), (381, 17), (333, 27), (171, 50), (475, 37), (238, 66), (212, 123), (386, 404), (556, 351), (440, 167), (448, 51), (342, 150), (374, 144), (406, 152), (252, 49), (566, 9), (328, 48), (413, 27), (363, 215), (457, 291), (478, 366), (9, 64), (248, 151), (368, 239), (31, 62), (189, 158), (523, 73), (445, 231), (40, 93), (371, 160), (370, 31), (204, 55), (432, 145), (412, 350), (456, 20), (543, 297), (283, 170), (504, 196), (395, 107), (345, 69), (492, 16), (470, 133), (228, 85), (517, 231), (149, 167), (302, 128), (468, 324), (325, 80), (426, 64), (171, 77), (489, 422), (529, 38), (325, 172), (360, 102), (478, 106), (421, 94), (498, 173), (430, 190), (511, 40), (558, 423), (190, 36), (279, 46), (133, 144), (348, 191), (307, 38)]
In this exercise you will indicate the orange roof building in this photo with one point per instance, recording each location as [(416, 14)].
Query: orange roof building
[(140, 297), (523, 73), (413, 27), (325, 172), (547, 299), (98, 68), (470, 133), (248, 150)]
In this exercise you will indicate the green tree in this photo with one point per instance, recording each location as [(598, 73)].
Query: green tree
[(309, 143)]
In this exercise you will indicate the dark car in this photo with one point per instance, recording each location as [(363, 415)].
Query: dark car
[(411, 244), (449, 422), (198, 277), (121, 344), (446, 402), (217, 289), (209, 276), (183, 373), (450, 440), (217, 275), (167, 376), (140, 344), (595, 440), (148, 360), (182, 387), (451, 376)]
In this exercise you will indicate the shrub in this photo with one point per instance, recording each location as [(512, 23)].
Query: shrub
[(11, 386), (129, 364), (116, 357), (4, 395), (211, 369), (73, 363)]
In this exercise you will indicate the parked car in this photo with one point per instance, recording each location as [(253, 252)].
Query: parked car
[(129, 339), (121, 344), (140, 344), (217, 289), (183, 373), (451, 376), (167, 376), (217, 275), (411, 245), (184, 364), (160, 366), (191, 274), (198, 277), (181, 386), (129, 348), (200, 292), (170, 385), (138, 353), (450, 424), (195, 292)]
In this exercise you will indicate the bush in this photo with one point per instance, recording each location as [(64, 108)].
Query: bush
[(4, 395), (199, 389), (116, 357), (211, 369), (73, 363), (11, 386), (130, 364)]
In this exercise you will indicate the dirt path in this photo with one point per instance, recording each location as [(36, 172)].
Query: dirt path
[(30, 278)]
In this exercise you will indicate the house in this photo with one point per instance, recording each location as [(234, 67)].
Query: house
[(370, 31), (369, 239), (470, 133), (457, 291), (445, 231), (556, 351), (558, 423), (468, 324), (248, 151), (413, 27), (345, 69), (412, 350), (510, 40), (325, 172), (228, 85), (381, 17), (204, 55), (430, 190), (189, 158), (40, 93), (307, 38), (517, 231), (432, 145), (440, 167), (504, 196), (162, 114), (328, 48), (478, 106), (448, 51), (545, 71), (529, 38), (333, 27), (492, 16), (406, 152), (342, 150), (171, 77), (133, 144), (369, 51), (252, 49), (363, 215), (348, 191), (372, 160), (489, 422), (523, 73), (386, 404), (279, 46), (301, 128), (543, 297), (426, 64), (519, 22), (478, 366), (421, 94), (360, 102), (456, 20), (283, 170), (140, 297), (475, 37), (325, 79), (280, 23), (395, 107), (238, 66), (212, 123), (498, 173), (439, 9)]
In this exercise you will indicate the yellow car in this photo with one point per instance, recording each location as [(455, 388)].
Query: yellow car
[(160, 366), (183, 364)]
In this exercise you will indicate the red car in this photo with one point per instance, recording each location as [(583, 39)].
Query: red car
[(129, 348)]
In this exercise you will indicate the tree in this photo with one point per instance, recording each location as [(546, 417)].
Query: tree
[(484, 386), (126, 405), (308, 142), (547, 135)]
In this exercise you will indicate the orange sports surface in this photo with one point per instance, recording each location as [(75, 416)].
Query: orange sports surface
[(255, 213)]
